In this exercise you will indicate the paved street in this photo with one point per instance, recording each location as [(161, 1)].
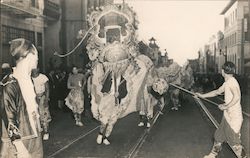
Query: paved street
[(186, 133)]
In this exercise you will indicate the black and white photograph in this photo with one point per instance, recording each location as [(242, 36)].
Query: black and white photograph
[(124, 78)]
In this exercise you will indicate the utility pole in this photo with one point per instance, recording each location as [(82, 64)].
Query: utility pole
[(242, 47)]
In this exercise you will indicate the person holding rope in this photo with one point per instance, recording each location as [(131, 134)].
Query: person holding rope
[(230, 126)]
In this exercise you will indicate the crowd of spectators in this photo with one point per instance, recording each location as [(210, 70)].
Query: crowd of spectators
[(208, 82), (58, 78)]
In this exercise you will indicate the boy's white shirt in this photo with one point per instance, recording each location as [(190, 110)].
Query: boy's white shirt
[(233, 114), (39, 83)]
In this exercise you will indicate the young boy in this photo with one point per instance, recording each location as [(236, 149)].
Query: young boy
[(229, 128), (41, 85)]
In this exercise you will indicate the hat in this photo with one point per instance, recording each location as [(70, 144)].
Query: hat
[(5, 65)]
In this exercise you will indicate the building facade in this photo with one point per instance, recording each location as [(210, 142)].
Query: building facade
[(52, 25), (221, 53), (21, 19), (52, 33), (155, 53), (212, 54), (236, 43), (32, 20), (74, 19)]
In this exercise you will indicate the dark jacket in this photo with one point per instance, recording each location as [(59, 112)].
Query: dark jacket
[(14, 115)]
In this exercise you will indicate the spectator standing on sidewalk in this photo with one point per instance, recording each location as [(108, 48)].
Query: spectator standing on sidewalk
[(52, 90), (21, 135), (230, 126), (6, 70), (41, 84), (75, 98), (62, 90)]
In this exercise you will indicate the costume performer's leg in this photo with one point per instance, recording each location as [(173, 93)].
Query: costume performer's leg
[(141, 123), (99, 138), (175, 98), (142, 112), (78, 119), (103, 134), (105, 131)]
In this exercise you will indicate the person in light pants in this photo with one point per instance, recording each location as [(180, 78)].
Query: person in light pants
[(230, 126)]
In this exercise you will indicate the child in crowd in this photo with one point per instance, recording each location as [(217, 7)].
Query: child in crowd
[(41, 84)]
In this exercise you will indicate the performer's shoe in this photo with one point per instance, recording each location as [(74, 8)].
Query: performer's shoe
[(141, 124), (210, 155), (106, 141), (99, 139), (80, 124), (148, 125), (174, 108), (46, 136)]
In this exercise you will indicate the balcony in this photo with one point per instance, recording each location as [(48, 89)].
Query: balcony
[(19, 8), (51, 10)]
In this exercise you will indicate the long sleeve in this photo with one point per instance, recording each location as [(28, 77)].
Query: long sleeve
[(11, 111)]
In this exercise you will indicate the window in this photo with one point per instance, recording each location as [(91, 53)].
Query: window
[(226, 22), (34, 3), (246, 11), (39, 39), (235, 39), (10, 33), (235, 13), (234, 58)]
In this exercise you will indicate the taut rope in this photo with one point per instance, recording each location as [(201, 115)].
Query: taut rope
[(79, 43)]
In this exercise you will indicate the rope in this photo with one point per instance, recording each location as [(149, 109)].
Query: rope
[(207, 100), (189, 92), (79, 43)]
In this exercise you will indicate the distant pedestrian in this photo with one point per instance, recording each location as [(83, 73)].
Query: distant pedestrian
[(41, 84), (62, 90), (75, 98), (230, 126), (52, 90)]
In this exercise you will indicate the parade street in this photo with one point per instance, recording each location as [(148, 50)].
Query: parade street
[(125, 79), (186, 133)]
